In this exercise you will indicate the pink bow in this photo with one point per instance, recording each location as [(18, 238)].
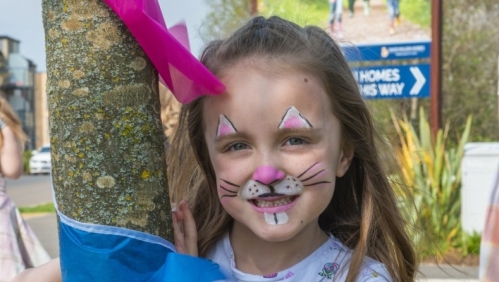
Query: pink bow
[(168, 50)]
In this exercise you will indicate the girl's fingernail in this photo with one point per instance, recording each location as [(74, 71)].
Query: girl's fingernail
[(183, 203), (173, 206)]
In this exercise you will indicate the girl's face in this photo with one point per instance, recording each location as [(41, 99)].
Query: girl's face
[(276, 150)]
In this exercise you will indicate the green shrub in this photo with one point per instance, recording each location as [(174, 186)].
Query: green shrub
[(26, 156), (417, 11), (470, 243), (430, 168)]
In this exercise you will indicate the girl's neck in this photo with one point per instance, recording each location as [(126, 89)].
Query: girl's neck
[(256, 256)]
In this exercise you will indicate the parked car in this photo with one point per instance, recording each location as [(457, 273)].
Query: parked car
[(40, 161)]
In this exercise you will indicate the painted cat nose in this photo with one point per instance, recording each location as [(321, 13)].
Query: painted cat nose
[(268, 174)]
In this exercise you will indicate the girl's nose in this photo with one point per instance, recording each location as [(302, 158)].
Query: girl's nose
[(268, 174)]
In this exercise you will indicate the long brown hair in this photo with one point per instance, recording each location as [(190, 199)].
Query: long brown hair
[(362, 213), (9, 117)]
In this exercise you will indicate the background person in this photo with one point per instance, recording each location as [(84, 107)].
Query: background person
[(351, 8), (394, 14), (19, 246), (335, 13)]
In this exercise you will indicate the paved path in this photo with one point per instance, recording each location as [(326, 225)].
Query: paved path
[(374, 28), (45, 227)]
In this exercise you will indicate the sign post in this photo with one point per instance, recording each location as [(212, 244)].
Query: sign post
[(436, 67)]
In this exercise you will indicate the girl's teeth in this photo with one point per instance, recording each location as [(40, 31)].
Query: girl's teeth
[(276, 203)]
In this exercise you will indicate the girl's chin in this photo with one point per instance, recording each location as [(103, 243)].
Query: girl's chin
[(275, 233)]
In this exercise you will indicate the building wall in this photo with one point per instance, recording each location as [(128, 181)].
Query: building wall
[(41, 110)]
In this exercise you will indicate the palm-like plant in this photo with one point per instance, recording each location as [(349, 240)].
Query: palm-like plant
[(428, 183)]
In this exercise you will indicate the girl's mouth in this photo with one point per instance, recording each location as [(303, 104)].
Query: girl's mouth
[(273, 204)]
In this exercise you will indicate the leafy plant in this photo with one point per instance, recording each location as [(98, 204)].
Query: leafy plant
[(417, 11), (26, 156), (431, 171), (470, 243)]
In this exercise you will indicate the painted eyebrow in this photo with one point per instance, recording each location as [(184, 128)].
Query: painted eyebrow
[(281, 131), (230, 136), (298, 130)]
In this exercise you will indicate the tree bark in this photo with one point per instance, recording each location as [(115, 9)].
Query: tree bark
[(108, 164)]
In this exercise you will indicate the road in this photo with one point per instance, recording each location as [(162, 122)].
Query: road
[(30, 190)]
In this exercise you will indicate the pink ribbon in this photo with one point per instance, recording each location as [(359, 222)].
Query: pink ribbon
[(168, 50)]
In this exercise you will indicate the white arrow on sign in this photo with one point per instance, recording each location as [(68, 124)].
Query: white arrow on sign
[(420, 81)]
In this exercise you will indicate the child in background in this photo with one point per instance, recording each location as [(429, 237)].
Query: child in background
[(282, 170), (19, 246), (335, 12), (394, 14), (367, 7)]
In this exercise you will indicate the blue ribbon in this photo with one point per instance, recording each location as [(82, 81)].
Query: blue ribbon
[(92, 252)]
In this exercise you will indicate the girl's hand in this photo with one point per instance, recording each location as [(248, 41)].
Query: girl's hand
[(184, 230)]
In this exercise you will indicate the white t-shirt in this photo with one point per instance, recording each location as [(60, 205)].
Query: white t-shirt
[(330, 262)]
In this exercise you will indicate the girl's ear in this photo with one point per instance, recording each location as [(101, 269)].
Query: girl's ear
[(344, 159)]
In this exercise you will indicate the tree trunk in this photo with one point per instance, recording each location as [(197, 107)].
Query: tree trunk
[(108, 164)]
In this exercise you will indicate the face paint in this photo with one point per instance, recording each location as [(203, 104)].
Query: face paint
[(227, 192), (293, 119), (276, 218), (273, 193), (225, 126), (260, 128)]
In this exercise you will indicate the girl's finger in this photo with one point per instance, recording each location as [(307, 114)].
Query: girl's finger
[(189, 229), (178, 235)]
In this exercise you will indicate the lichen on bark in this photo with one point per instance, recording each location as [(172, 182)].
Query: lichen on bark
[(106, 134)]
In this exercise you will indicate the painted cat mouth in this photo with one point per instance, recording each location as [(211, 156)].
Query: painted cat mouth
[(269, 202)]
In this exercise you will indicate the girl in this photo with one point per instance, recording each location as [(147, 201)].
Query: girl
[(285, 156), (287, 183), (19, 246)]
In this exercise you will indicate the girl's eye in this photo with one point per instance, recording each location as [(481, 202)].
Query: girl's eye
[(294, 141), (237, 147)]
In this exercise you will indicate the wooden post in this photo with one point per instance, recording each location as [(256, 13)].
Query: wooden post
[(436, 69)]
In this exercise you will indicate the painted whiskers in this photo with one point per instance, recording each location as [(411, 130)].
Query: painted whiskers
[(272, 192)]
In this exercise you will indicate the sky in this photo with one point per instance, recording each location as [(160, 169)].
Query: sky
[(22, 20)]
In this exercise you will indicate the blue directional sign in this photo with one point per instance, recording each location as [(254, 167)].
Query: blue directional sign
[(397, 81), (387, 51)]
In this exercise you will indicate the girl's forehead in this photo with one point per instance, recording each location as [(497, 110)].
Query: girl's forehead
[(265, 97)]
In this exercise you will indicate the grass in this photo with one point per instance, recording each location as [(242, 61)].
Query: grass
[(316, 12), (302, 12), (43, 208), (417, 11)]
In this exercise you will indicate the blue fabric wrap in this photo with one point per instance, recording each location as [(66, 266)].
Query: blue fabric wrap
[(92, 252)]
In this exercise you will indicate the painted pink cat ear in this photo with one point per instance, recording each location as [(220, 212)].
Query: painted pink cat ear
[(168, 50)]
